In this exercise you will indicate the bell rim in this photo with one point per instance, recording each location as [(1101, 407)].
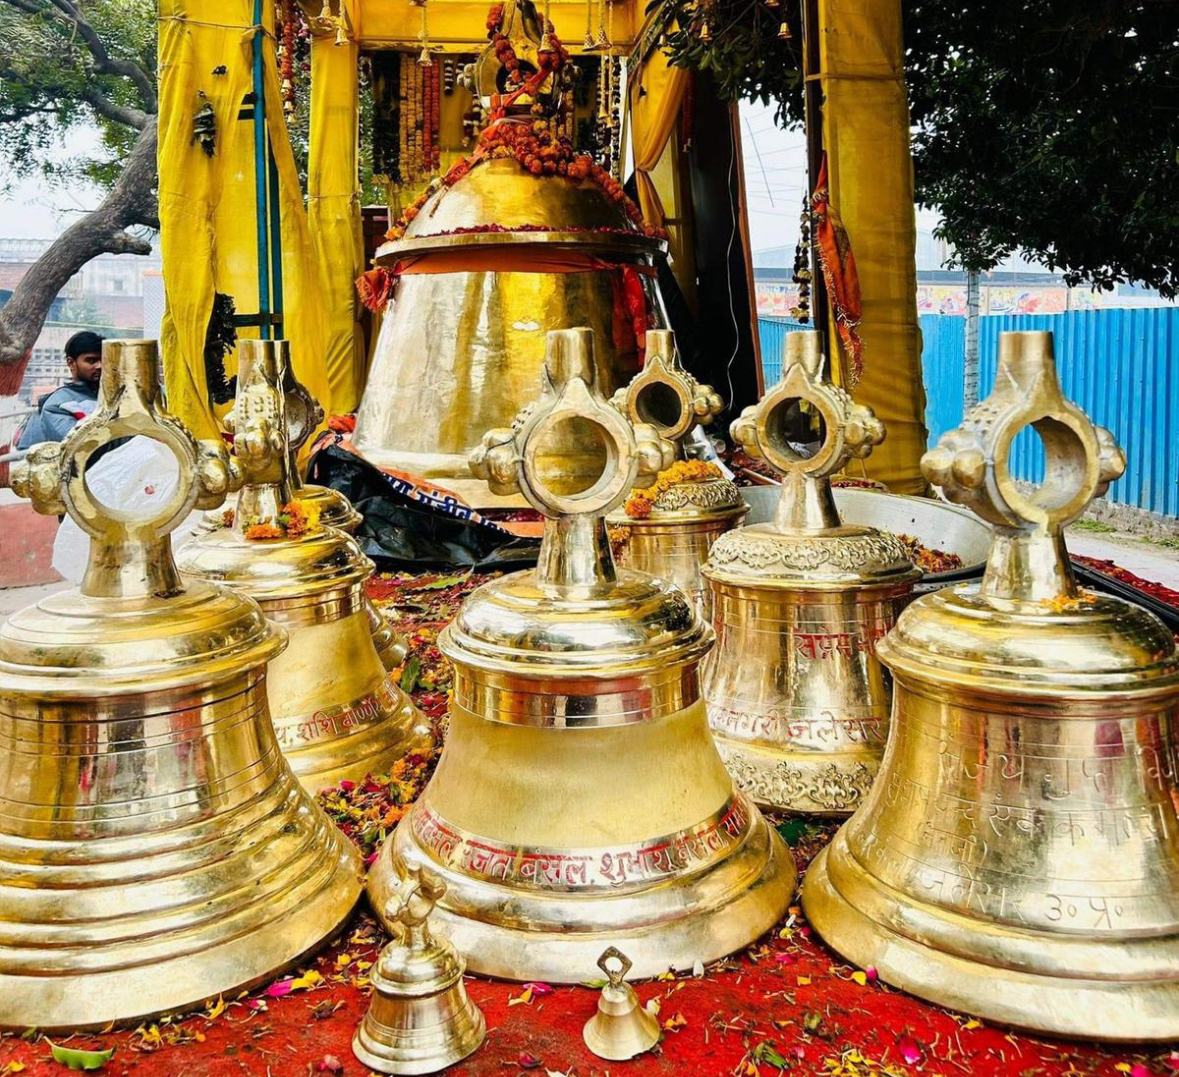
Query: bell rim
[(677, 518), (621, 244), (409, 1067)]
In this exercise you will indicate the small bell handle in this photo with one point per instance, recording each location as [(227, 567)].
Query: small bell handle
[(130, 554), (665, 395), (1028, 559), (615, 964), (848, 430), (412, 903), (544, 456), (259, 425)]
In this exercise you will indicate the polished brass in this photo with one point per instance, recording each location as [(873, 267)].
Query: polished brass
[(1018, 857), (579, 800), (797, 700), (462, 351), (687, 518), (621, 1028), (155, 849), (420, 1019), (303, 416), (338, 713)]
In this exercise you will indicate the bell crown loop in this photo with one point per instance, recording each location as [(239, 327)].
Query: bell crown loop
[(847, 430), (1028, 561), (130, 555), (664, 395)]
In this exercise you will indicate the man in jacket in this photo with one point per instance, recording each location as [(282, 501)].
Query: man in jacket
[(67, 405)]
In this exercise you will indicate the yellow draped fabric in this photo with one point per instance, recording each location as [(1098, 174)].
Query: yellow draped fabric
[(334, 212), (866, 135), (207, 217), (655, 100)]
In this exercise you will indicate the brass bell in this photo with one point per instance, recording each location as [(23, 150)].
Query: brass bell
[(155, 849), (420, 1019), (683, 520), (553, 829), (339, 714), (797, 699), (621, 1029), (1018, 857), (304, 414)]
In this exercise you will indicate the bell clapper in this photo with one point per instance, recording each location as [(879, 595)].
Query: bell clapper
[(420, 1019), (622, 1028)]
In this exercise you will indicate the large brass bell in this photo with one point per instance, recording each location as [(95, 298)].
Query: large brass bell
[(1018, 857), (420, 1019), (686, 517), (155, 849), (797, 699), (303, 415), (339, 714), (580, 800)]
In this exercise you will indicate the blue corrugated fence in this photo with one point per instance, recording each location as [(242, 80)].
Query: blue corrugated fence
[(772, 332), (1121, 366)]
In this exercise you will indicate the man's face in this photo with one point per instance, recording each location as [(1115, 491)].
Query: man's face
[(87, 367)]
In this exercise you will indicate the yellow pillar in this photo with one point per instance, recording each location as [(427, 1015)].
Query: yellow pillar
[(866, 136), (334, 211)]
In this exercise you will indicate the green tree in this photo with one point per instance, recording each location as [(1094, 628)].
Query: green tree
[(68, 64), (1050, 126)]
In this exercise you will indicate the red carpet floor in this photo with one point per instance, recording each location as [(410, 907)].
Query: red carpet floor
[(787, 1005)]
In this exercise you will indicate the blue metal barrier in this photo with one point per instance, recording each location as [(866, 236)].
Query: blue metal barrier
[(772, 333)]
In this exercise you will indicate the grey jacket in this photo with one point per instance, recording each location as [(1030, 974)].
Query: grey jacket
[(59, 413)]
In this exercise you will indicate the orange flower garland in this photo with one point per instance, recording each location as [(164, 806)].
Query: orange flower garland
[(641, 502), (295, 518)]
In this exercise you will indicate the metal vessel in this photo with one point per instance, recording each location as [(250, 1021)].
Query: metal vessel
[(155, 849), (580, 801), (1018, 857), (796, 698), (682, 519), (338, 713), (303, 417), (420, 1019)]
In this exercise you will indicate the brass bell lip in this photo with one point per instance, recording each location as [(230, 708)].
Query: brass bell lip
[(620, 245), (204, 636), (335, 510), (974, 978), (704, 917), (954, 636), (637, 624)]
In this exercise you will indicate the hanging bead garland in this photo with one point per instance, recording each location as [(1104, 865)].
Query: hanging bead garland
[(448, 76), (289, 19), (802, 264)]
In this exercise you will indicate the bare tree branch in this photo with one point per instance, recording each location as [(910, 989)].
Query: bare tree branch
[(107, 64), (132, 201), (112, 110)]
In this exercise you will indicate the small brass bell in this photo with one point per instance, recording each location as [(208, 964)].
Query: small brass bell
[(339, 714), (621, 1028), (420, 1019), (155, 849), (683, 521), (304, 415), (796, 697), (1018, 856), (553, 828)]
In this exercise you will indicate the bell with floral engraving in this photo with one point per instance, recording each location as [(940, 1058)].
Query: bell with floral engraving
[(579, 801), (797, 700), (155, 849), (1018, 856), (339, 714), (668, 528)]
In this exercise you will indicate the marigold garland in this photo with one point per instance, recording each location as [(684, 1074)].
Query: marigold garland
[(641, 502), (295, 518)]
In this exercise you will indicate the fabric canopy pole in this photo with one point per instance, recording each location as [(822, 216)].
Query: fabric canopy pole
[(208, 212), (656, 96), (334, 212), (866, 136)]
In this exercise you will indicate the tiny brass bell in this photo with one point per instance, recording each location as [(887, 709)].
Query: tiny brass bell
[(796, 697), (420, 1019), (155, 849), (339, 714), (303, 417), (682, 521), (621, 1028), (1018, 856), (554, 830)]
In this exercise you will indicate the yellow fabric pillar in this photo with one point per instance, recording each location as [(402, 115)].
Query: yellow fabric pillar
[(334, 212), (196, 37), (656, 95), (207, 205), (866, 136)]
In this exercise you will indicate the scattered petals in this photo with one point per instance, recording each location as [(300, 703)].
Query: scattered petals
[(910, 1049), (528, 1062), (329, 1064), (861, 978), (538, 990), (675, 1022), (698, 969)]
